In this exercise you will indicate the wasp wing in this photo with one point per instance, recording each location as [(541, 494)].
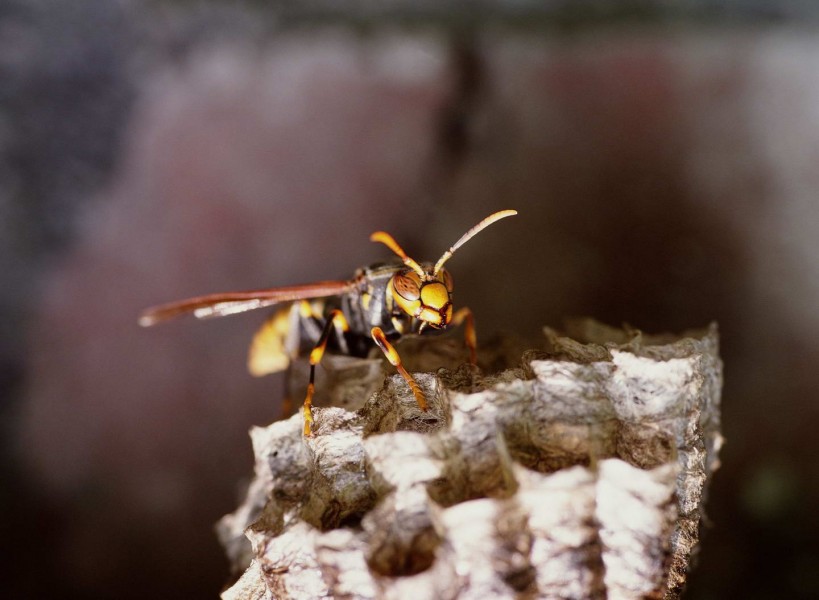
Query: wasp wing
[(220, 305)]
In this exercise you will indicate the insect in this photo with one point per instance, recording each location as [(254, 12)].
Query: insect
[(378, 305)]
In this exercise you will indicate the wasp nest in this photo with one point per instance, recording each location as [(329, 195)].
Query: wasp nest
[(578, 473)]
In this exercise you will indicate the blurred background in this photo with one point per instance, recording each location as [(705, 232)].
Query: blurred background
[(664, 157)]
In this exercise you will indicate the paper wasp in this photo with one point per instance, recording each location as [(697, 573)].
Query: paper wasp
[(380, 303)]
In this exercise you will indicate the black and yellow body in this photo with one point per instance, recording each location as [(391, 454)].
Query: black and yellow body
[(382, 298), (370, 303), (296, 327), (385, 302), (377, 306)]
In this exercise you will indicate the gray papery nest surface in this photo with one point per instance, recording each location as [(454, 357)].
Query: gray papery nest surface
[(577, 470)]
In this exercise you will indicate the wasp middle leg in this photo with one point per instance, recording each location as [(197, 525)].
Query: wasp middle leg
[(339, 322)]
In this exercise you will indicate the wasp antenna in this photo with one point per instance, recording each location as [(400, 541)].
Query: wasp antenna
[(501, 214), (386, 239)]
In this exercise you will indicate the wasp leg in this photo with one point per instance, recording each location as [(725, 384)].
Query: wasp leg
[(341, 327), (336, 318), (291, 346), (311, 315), (392, 356), (464, 315)]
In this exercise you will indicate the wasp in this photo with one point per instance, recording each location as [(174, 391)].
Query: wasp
[(377, 306)]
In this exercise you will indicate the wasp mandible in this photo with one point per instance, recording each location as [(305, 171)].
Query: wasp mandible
[(378, 305)]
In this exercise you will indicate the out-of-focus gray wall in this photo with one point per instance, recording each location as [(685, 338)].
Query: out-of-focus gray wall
[(665, 172)]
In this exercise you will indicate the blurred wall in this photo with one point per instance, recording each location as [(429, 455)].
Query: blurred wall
[(664, 177)]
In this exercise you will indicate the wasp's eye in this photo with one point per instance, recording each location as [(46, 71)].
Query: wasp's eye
[(406, 287)]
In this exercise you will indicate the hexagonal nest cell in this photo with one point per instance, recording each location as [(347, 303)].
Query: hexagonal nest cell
[(575, 470)]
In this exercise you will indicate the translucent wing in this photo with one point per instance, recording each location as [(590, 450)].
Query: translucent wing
[(229, 303)]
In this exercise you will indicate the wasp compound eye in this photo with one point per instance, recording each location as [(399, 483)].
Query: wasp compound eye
[(407, 287)]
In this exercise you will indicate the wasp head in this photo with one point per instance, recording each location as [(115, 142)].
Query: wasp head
[(425, 293), (426, 297)]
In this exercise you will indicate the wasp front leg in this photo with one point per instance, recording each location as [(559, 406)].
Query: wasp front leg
[(464, 315), (337, 320), (395, 360)]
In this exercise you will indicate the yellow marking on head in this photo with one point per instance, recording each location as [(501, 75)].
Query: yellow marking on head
[(434, 295), (433, 317)]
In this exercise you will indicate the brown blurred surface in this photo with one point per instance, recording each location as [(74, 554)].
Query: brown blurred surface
[(664, 178)]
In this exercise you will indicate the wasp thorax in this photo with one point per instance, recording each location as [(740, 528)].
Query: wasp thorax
[(427, 299)]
